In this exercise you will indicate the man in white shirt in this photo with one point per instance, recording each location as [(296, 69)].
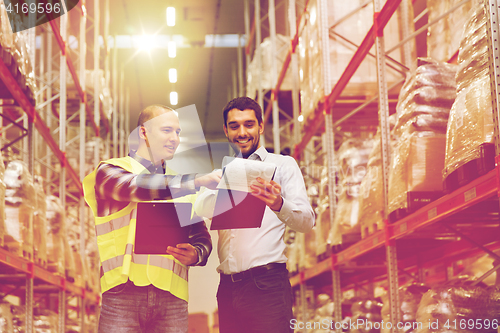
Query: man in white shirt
[(254, 293)]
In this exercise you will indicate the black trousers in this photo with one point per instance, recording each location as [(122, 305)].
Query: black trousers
[(260, 303)]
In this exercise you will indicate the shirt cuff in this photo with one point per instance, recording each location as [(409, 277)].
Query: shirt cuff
[(285, 212)]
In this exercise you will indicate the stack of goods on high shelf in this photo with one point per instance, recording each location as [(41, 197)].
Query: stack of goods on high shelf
[(342, 43), (371, 202), (16, 53), (56, 236), (469, 151), (461, 305), (409, 299), (418, 157), (20, 202), (443, 37), (353, 158), (74, 99), (40, 224), (366, 313), (260, 68), (73, 152)]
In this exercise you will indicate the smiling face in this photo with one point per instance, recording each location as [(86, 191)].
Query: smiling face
[(162, 135), (243, 131)]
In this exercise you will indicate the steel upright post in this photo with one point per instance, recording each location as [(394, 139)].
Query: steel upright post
[(115, 100), (492, 24), (121, 130), (274, 77), (247, 34), (240, 68), (97, 89), (392, 269), (82, 55), (292, 19)]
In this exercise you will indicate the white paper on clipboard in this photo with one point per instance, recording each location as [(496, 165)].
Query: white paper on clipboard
[(239, 174)]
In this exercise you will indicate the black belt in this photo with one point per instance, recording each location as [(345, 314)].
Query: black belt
[(252, 272)]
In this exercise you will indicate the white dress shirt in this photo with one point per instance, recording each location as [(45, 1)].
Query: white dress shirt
[(242, 249)]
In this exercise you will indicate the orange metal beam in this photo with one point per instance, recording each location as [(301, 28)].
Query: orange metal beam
[(324, 106), (34, 117)]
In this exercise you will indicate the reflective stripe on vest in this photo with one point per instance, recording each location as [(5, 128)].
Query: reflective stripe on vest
[(142, 259), (120, 222)]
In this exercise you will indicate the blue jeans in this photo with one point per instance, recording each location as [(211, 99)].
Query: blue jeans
[(127, 308), (259, 304)]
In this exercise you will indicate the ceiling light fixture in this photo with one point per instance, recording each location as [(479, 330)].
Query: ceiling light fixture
[(170, 16), (301, 118), (172, 75), (146, 42), (174, 98), (172, 49)]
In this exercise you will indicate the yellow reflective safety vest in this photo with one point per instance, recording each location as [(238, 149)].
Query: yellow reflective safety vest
[(116, 238)]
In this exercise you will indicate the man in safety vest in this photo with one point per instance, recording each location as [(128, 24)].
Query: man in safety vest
[(145, 293)]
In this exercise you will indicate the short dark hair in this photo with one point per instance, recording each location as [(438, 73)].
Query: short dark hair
[(148, 113), (242, 104)]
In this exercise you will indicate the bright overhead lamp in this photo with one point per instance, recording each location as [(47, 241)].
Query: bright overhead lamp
[(301, 118), (172, 49), (146, 42), (174, 98), (172, 75), (170, 16)]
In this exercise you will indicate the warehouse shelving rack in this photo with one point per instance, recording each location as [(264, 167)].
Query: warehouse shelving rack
[(21, 273), (459, 225)]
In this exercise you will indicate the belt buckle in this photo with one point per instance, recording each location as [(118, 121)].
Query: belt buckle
[(232, 278)]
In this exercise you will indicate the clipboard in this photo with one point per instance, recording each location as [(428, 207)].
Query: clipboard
[(158, 226), (237, 210)]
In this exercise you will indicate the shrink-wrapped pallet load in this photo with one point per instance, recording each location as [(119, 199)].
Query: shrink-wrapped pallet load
[(422, 114), (55, 235), (353, 158), (366, 313), (40, 224), (457, 306), (371, 200), (471, 118), (45, 321), (263, 75), (20, 201), (409, 299), (6, 325), (306, 244), (73, 236), (92, 257), (323, 314), (323, 226)]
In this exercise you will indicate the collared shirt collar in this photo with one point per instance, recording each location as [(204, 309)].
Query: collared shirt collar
[(147, 164), (260, 153)]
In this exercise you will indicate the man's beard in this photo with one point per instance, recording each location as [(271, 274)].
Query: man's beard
[(238, 152)]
